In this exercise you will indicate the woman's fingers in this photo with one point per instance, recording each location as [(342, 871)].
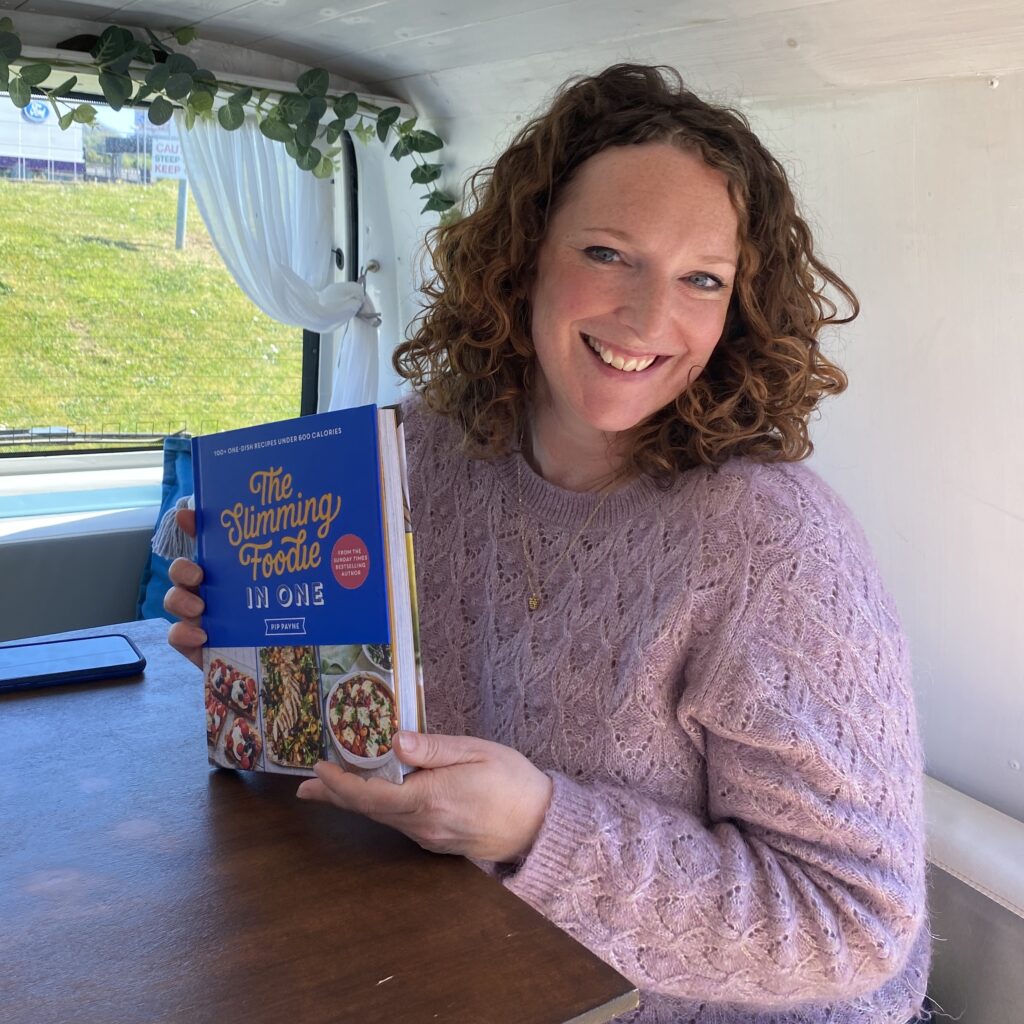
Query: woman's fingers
[(374, 798), (185, 573), (186, 519), (184, 603), (188, 638)]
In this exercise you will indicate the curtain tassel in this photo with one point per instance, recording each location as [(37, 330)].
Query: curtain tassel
[(170, 541)]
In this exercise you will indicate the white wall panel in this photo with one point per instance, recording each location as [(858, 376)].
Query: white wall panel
[(916, 191)]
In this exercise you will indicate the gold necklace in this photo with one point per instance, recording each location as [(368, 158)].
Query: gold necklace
[(537, 589)]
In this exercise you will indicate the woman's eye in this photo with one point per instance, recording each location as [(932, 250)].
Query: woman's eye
[(706, 282), (601, 253)]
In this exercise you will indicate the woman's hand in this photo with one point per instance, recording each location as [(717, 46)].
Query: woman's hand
[(471, 796), (184, 601)]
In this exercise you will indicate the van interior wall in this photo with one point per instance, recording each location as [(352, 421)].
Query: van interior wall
[(914, 193)]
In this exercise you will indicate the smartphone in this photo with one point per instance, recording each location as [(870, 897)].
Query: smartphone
[(58, 662)]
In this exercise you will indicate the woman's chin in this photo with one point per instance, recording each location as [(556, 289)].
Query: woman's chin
[(615, 422)]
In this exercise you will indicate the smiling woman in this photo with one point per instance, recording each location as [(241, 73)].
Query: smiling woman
[(707, 213), (669, 698), (621, 332)]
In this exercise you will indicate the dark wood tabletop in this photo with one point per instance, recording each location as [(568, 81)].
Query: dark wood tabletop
[(137, 884)]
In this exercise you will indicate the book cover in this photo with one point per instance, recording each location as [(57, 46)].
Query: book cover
[(305, 595)]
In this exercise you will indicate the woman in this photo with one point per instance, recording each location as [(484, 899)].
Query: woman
[(669, 698)]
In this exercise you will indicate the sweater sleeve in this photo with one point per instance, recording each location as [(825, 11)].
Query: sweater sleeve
[(806, 879)]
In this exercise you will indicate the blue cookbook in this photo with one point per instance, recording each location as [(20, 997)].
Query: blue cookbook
[(304, 536)]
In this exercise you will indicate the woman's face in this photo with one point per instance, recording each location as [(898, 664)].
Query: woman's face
[(633, 284)]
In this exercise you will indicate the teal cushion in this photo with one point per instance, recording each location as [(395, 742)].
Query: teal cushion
[(177, 484)]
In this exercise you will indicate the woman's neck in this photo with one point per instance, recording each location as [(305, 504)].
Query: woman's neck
[(575, 458)]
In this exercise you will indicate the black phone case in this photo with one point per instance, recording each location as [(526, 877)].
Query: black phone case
[(85, 674)]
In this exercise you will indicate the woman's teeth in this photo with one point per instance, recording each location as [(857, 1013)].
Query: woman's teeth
[(626, 365)]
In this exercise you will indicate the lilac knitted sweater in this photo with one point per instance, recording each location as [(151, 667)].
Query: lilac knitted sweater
[(718, 686)]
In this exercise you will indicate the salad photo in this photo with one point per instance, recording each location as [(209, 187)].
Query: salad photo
[(291, 705)]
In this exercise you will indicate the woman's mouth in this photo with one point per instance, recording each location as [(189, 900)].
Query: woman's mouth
[(625, 364)]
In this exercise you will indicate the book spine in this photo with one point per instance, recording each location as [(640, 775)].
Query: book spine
[(421, 709), (197, 493), (393, 627), (400, 595), (410, 554)]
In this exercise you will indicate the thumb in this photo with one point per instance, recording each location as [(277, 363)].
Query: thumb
[(434, 750), (186, 520)]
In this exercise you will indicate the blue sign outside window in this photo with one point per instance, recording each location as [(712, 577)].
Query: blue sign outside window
[(36, 112)]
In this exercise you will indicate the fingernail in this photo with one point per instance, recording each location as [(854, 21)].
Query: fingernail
[(408, 741)]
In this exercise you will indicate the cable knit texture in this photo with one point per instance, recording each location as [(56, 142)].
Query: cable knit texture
[(718, 686)]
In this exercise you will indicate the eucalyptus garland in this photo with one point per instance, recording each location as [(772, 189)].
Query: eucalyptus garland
[(309, 121)]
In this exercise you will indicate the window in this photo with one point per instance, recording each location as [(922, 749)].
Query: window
[(119, 323)]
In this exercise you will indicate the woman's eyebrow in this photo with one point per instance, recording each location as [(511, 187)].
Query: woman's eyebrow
[(626, 237)]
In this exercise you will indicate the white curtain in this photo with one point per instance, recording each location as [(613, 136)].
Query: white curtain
[(272, 225), (355, 376)]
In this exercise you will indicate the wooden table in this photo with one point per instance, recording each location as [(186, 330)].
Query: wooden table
[(137, 884)]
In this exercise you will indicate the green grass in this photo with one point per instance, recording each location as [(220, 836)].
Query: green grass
[(105, 326)]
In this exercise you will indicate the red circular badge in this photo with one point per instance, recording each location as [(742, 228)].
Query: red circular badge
[(350, 561)]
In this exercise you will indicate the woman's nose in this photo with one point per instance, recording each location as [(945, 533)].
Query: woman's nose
[(646, 307)]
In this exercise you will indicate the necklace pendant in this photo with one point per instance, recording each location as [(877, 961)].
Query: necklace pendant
[(533, 602)]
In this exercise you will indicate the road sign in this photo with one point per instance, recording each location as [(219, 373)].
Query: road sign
[(167, 161)]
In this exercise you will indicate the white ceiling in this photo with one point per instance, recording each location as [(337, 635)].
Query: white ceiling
[(459, 58)]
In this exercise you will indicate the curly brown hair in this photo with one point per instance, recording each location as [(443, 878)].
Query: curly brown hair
[(471, 355)]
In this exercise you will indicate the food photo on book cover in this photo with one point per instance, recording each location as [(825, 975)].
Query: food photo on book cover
[(282, 709)]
